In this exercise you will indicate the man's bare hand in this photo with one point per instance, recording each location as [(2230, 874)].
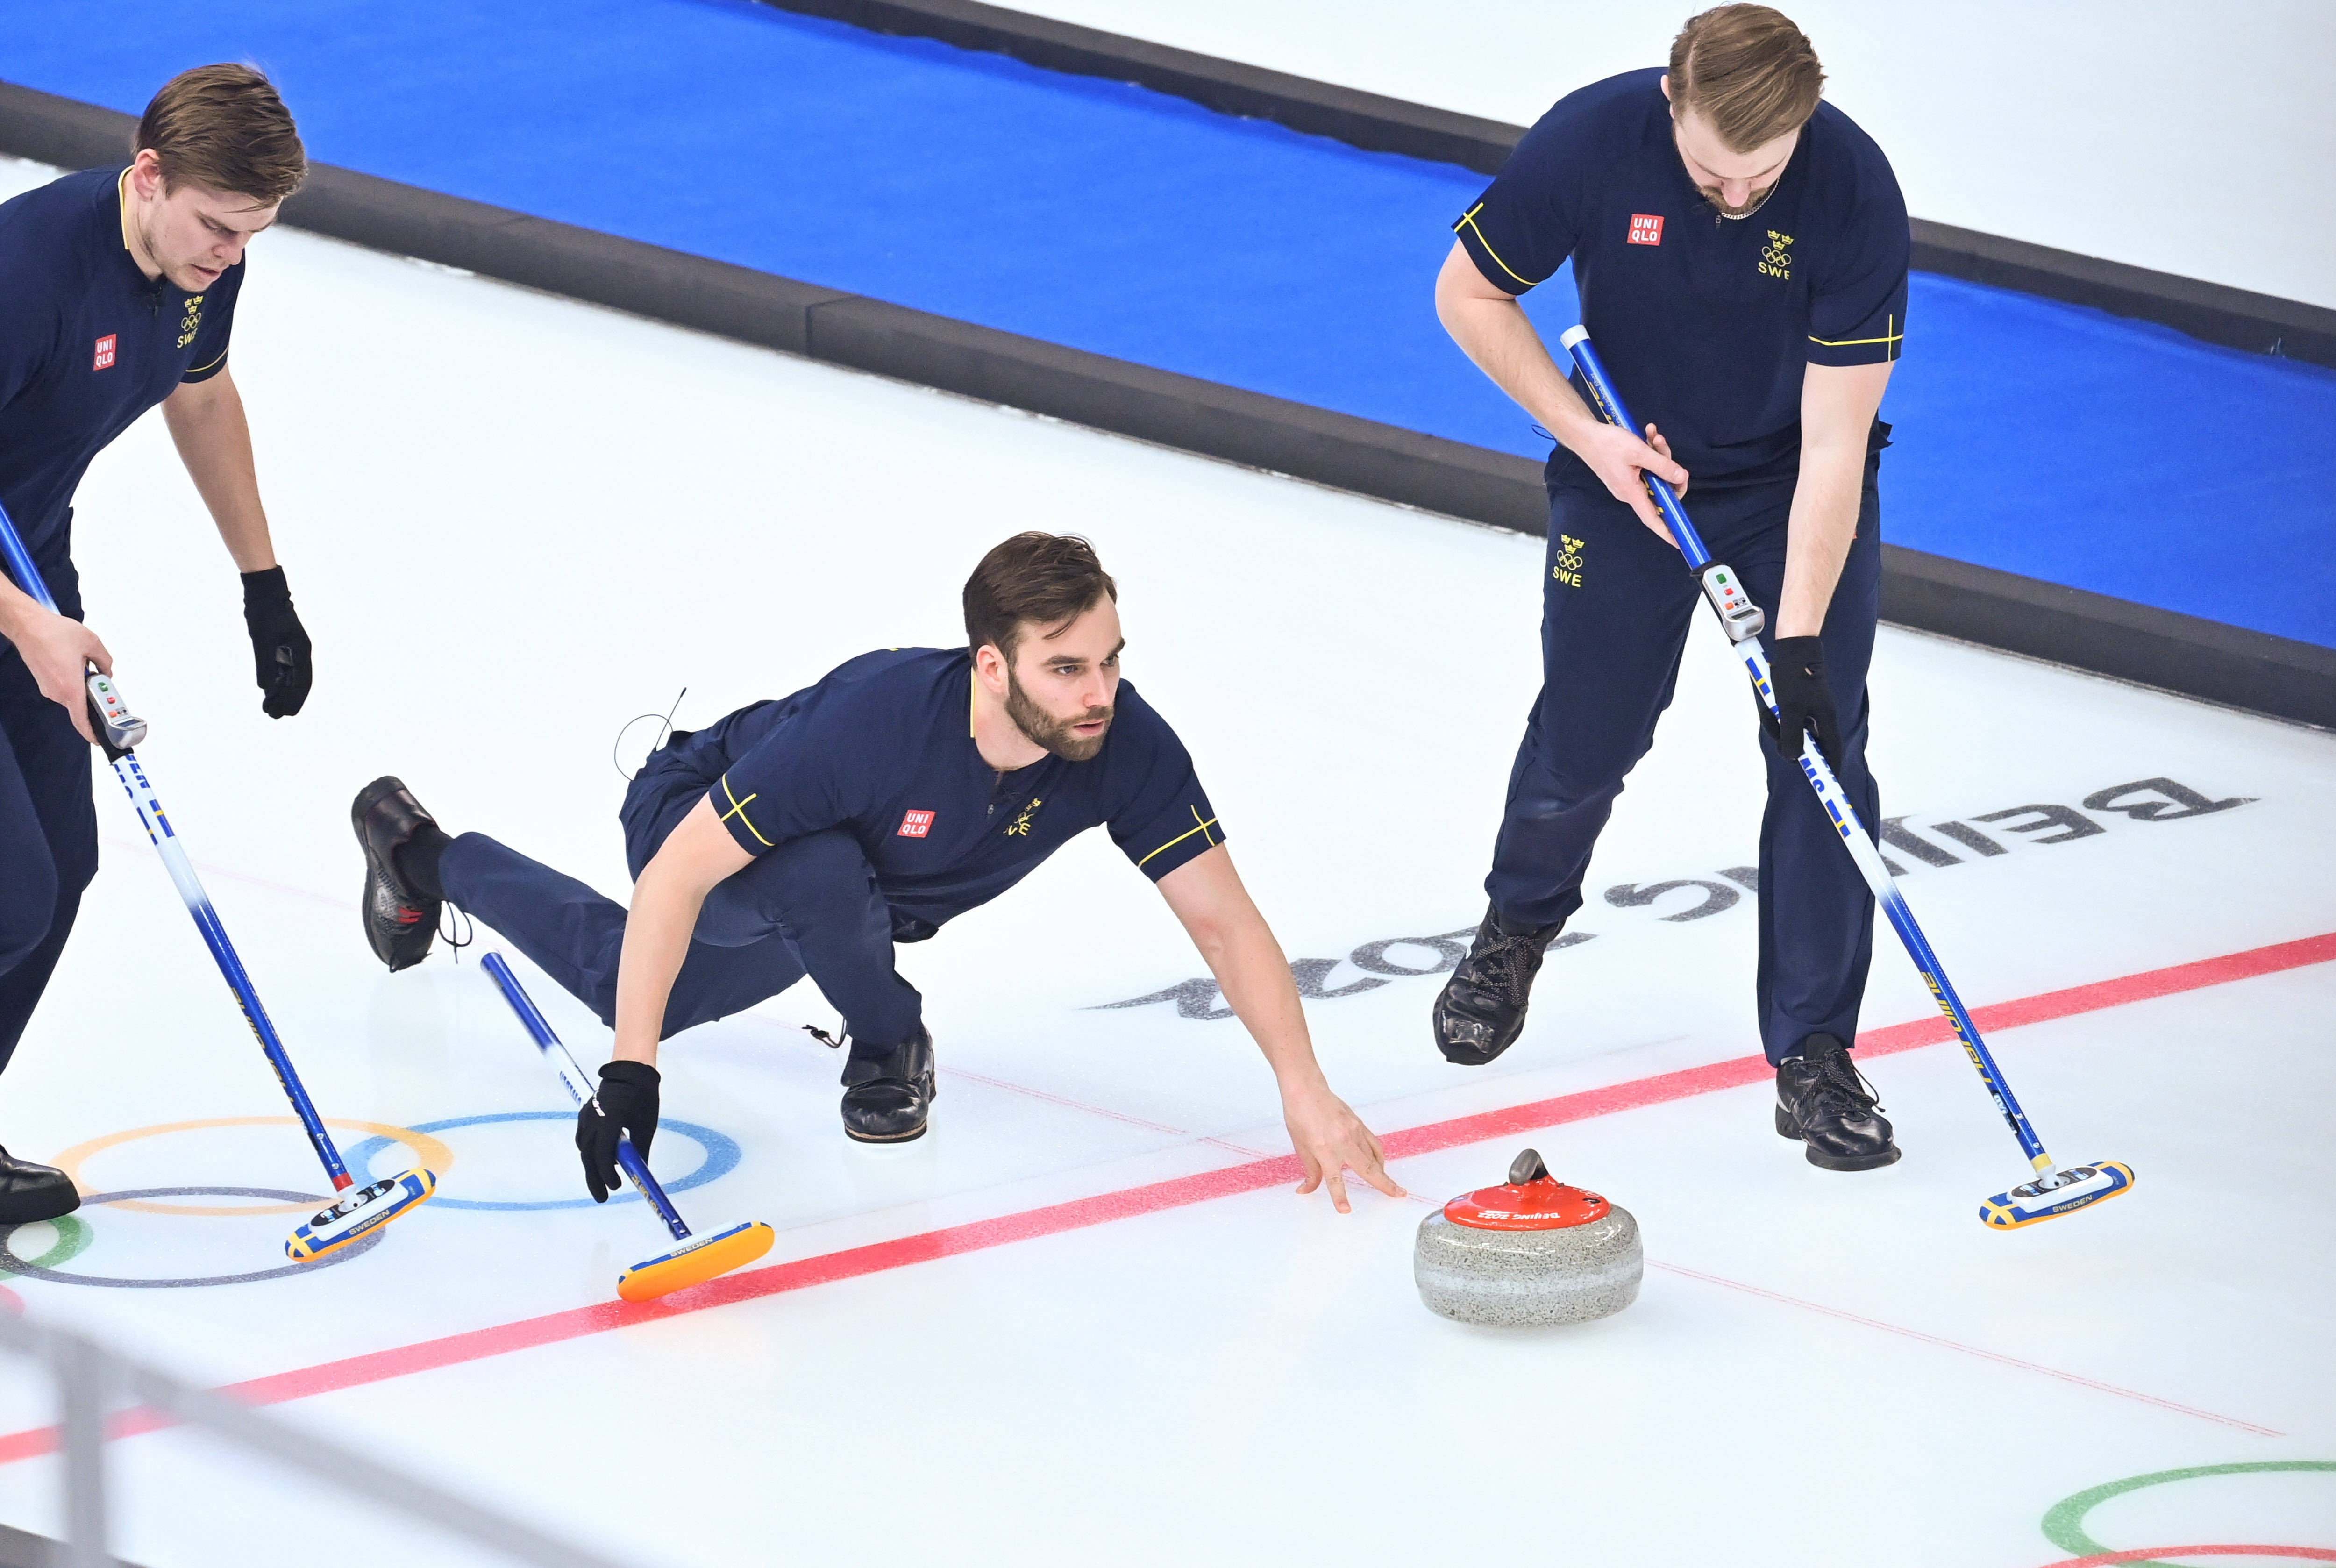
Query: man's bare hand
[(58, 650), (1331, 1140), (1617, 457)]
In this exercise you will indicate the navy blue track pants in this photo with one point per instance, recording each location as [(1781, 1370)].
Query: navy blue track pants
[(811, 905), (1616, 602), (48, 841)]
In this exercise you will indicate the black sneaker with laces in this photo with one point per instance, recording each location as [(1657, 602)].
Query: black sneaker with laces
[(1825, 1103), (1482, 1009), (888, 1090), (402, 901)]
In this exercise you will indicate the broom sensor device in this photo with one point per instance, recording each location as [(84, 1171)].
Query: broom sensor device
[(121, 729), (1742, 619)]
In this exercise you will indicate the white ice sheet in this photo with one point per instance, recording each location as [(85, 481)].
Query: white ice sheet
[(513, 522)]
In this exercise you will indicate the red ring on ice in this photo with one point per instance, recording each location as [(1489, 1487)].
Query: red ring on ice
[(2105, 1559)]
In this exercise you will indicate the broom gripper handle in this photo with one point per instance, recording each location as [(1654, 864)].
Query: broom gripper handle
[(580, 1088), (150, 815), (1814, 766)]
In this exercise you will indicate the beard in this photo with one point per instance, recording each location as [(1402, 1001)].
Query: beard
[(1759, 199), (1042, 728)]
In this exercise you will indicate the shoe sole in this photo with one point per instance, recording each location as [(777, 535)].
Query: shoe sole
[(35, 1214), (897, 1138), (1468, 1055), (1786, 1127)]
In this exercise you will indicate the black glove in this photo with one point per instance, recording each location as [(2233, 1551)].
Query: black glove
[(280, 648), (628, 1102), (1803, 702)]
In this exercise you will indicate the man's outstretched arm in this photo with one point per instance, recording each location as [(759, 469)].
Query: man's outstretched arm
[(1207, 895), (697, 855)]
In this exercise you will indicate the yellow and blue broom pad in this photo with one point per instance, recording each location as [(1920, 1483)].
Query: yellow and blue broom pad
[(361, 1213), (2030, 1203), (695, 1262)]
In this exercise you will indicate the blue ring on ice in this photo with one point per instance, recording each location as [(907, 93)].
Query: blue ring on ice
[(722, 1157)]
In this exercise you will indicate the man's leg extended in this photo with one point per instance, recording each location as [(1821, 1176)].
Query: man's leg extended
[(48, 852), (1615, 607), (812, 905), (567, 928), (577, 936), (1815, 912)]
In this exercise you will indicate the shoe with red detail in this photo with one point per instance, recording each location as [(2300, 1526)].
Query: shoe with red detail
[(400, 920)]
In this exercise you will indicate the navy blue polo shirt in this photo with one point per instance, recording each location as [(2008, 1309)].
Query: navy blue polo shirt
[(1705, 322), (883, 748), (86, 346)]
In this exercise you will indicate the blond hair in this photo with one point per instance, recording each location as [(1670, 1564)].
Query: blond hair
[(1749, 73)]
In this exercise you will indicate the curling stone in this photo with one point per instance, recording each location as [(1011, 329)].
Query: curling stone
[(1533, 1250)]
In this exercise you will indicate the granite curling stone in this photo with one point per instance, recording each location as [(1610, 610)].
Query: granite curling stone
[(1533, 1250)]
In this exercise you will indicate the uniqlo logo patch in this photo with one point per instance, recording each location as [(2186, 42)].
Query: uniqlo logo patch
[(916, 825), (103, 360), (1646, 228)]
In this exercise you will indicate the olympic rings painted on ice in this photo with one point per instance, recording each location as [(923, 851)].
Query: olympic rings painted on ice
[(428, 1152), (74, 1237), (134, 1198), (2064, 1523), (722, 1156)]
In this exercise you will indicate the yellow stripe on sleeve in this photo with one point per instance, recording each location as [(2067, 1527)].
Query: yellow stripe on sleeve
[(1468, 220), (1890, 325), (738, 809), (1203, 830)]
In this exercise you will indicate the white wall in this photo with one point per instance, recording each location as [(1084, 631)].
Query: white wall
[(2194, 137)]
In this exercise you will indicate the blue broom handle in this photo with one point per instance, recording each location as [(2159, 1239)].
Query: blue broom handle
[(1820, 774), (1609, 404), (571, 1077), (21, 567), (133, 775)]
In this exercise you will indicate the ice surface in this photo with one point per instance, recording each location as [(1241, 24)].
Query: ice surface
[(513, 522)]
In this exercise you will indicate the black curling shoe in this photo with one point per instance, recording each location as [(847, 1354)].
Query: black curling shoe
[(400, 911), (1482, 1010), (1825, 1102), (29, 1192), (888, 1091)]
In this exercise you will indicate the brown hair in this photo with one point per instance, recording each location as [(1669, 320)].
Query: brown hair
[(1749, 70), (223, 128), (1048, 579)]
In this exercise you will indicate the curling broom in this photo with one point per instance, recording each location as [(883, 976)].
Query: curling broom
[(2055, 1190), (696, 1259), (368, 1208)]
